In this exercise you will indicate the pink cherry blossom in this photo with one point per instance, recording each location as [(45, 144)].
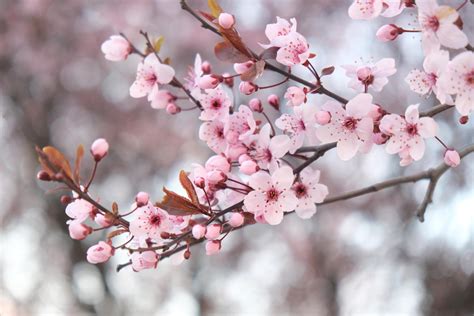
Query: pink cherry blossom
[(160, 99), (77, 230), (116, 48), (438, 28), (371, 75), (150, 74), (151, 221), (240, 125), (268, 150), (195, 72), (323, 117), (309, 192), (300, 126), (459, 80), (294, 49), (349, 127), (365, 9), (279, 29), (80, 210), (407, 134), (452, 158), (177, 223), (218, 162), (248, 167), (236, 220), (100, 252), (215, 103), (241, 68), (212, 132), (208, 82), (144, 260), (423, 82), (272, 194), (102, 221), (213, 247), (99, 149), (295, 96)]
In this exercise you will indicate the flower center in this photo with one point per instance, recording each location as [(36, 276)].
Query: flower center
[(412, 129), (216, 103), (300, 190), (350, 123), (432, 23), (365, 76), (432, 78), (470, 78), (155, 220), (272, 195), (151, 78)]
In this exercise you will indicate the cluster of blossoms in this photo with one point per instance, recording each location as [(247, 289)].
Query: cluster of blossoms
[(250, 179)]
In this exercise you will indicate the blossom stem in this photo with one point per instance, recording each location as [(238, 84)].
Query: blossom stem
[(274, 85), (462, 5), (269, 122), (241, 183), (315, 73), (124, 244), (94, 170), (442, 143)]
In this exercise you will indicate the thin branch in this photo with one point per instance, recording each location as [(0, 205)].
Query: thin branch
[(436, 109)]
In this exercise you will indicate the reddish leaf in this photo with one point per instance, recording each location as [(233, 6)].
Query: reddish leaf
[(269, 53), (327, 71), (188, 187), (56, 160), (254, 72), (233, 37), (178, 205), (224, 51), (115, 209), (77, 163)]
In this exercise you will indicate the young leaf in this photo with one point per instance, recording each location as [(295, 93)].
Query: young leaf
[(327, 71), (57, 160), (269, 53), (115, 209), (115, 233), (189, 187), (224, 51), (178, 205), (254, 72), (77, 164), (158, 43), (214, 7)]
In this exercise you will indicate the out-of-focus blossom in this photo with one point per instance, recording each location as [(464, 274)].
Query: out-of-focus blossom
[(371, 75)]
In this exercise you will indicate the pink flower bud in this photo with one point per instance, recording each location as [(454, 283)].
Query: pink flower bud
[(244, 157), (452, 158), (116, 48), (274, 101), (78, 231), (241, 68), (216, 176), (464, 119), (102, 221), (199, 231), (218, 162), (247, 87), (43, 176), (323, 117), (208, 82), (99, 149), (388, 32), (256, 105), (206, 67), (100, 252), (228, 79), (144, 260), (248, 167), (200, 182), (173, 108), (142, 199), (226, 20), (213, 231), (213, 247), (236, 220)]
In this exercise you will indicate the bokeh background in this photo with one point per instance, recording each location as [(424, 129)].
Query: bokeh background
[(367, 256)]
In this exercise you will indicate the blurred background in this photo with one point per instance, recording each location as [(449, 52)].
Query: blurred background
[(367, 256)]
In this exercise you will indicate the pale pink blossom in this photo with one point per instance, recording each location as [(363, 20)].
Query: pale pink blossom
[(144, 260), (281, 28), (309, 191), (438, 26), (241, 68), (226, 20), (212, 132), (198, 231), (365, 9), (272, 195), (99, 149), (195, 72), (240, 125), (407, 134), (116, 48), (248, 167), (208, 82), (77, 230), (425, 81), (452, 158), (80, 210), (100, 252), (150, 222), (268, 150), (295, 96), (150, 74), (213, 247), (459, 80), (350, 127), (177, 223), (371, 75), (215, 103), (218, 162), (236, 220), (102, 220), (323, 117), (294, 49), (299, 126), (160, 99)]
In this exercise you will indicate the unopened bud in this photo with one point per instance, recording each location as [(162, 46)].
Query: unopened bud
[(274, 101), (247, 87), (99, 149), (66, 199), (187, 254), (206, 67), (226, 20), (228, 79), (43, 176), (256, 105), (142, 199), (208, 82), (323, 117), (173, 108), (464, 119), (200, 182), (388, 32)]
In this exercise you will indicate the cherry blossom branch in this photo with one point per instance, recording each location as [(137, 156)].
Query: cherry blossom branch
[(433, 174), (436, 109)]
